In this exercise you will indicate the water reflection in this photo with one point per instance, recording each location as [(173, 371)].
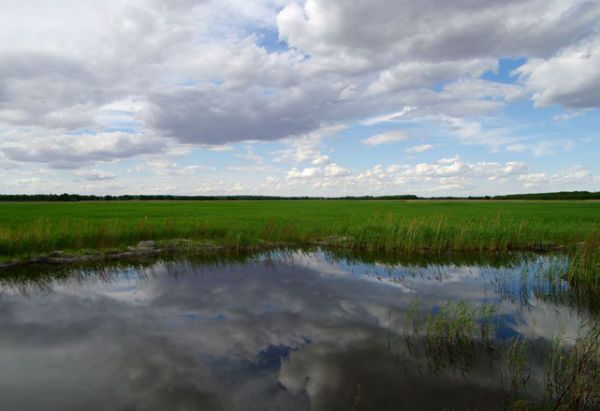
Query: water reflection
[(275, 331)]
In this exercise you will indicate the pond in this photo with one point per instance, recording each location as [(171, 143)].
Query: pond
[(296, 330)]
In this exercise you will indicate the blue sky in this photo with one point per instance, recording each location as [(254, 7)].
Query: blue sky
[(280, 97)]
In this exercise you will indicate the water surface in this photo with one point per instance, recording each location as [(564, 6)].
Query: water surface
[(283, 331)]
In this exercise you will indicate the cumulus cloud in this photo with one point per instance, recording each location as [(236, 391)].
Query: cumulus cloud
[(446, 176), (96, 82), (477, 88), (214, 116), (570, 78), (72, 151), (576, 176), (331, 170), (415, 75), (141, 47), (308, 147), (365, 34)]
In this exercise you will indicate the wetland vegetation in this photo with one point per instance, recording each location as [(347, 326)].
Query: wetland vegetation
[(393, 227), (464, 304), (370, 225)]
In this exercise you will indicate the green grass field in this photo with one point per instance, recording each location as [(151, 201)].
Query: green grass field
[(376, 225), (393, 227)]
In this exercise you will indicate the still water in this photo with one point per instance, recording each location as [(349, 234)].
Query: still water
[(278, 331)]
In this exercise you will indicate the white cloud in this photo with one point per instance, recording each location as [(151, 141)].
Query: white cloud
[(196, 75), (88, 83), (320, 160), (571, 77), (73, 151), (450, 176), (362, 36), (388, 117), (386, 138), (447, 176), (568, 115), (307, 148), (220, 149), (305, 173), (331, 170), (96, 174), (421, 148), (542, 148), (576, 177), (167, 168), (481, 89), (419, 74), (533, 179)]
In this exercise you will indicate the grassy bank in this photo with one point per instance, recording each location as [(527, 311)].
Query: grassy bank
[(375, 225)]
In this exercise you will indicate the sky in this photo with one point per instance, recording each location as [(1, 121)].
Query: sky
[(315, 97)]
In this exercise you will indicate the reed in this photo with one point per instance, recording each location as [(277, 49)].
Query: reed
[(365, 226), (559, 374), (369, 225), (571, 374)]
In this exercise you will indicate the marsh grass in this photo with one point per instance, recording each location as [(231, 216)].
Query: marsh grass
[(536, 375), (584, 269), (364, 225), (571, 374), (394, 227), (451, 333), (515, 372)]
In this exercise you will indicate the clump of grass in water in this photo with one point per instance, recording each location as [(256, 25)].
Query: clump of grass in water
[(456, 331), (450, 333), (449, 336), (556, 278), (412, 321), (487, 315), (584, 270), (515, 373), (571, 375)]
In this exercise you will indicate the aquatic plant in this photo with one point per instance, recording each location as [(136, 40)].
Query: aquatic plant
[(455, 332), (571, 374), (515, 372)]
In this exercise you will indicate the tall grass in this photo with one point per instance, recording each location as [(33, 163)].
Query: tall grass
[(374, 226), (535, 374), (361, 225), (571, 374)]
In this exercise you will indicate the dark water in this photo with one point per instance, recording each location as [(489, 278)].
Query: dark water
[(289, 331)]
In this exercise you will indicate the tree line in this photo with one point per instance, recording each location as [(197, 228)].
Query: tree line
[(563, 195)]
